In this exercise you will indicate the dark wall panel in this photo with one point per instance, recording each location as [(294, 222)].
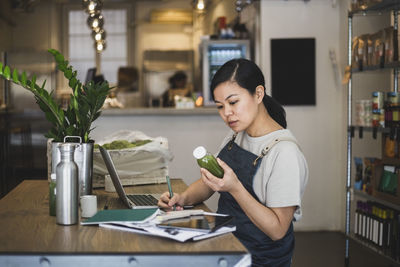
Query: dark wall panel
[(293, 71)]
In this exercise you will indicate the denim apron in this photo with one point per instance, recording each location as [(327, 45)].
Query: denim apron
[(264, 251)]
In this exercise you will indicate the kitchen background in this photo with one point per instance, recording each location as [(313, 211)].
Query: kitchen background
[(320, 129)]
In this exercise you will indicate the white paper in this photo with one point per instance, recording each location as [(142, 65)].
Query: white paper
[(171, 233)]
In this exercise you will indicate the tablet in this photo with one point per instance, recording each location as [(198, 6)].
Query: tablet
[(198, 223)]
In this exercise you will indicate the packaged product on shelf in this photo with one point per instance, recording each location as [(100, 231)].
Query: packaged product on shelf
[(370, 50), (378, 112), (378, 117), (363, 4), (355, 61), (392, 110), (369, 170), (378, 46), (378, 225), (362, 52), (363, 110), (378, 99), (391, 147), (388, 182), (390, 37), (365, 41), (358, 179)]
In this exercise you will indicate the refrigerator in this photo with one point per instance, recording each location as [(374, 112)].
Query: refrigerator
[(214, 53)]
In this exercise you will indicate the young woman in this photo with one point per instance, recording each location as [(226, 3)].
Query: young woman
[(265, 172)]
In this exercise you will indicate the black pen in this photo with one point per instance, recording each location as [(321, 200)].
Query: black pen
[(171, 194)]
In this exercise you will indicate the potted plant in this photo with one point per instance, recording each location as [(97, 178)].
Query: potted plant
[(86, 101)]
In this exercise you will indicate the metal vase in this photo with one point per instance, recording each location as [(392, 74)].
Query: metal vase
[(83, 157)]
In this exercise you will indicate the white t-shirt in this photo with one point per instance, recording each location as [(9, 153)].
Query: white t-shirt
[(283, 173)]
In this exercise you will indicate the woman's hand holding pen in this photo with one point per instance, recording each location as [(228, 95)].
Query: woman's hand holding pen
[(225, 184), (167, 203)]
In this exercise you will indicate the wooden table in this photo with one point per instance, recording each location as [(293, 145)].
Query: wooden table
[(30, 237)]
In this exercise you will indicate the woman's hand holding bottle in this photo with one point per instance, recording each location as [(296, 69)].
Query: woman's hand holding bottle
[(228, 183)]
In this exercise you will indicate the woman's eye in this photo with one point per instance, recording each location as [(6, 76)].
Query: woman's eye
[(233, 102), (219, 107)]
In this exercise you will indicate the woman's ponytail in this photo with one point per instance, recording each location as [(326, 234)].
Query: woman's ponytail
[(275, 110)]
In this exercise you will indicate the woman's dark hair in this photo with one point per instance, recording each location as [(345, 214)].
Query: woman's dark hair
[(248, 75)]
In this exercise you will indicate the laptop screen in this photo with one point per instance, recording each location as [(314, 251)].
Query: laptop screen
[(114, 176)]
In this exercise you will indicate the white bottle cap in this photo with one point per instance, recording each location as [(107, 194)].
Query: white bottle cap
[(199, 152)]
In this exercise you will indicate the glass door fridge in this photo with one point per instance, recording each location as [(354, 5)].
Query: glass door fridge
[(214, 54)]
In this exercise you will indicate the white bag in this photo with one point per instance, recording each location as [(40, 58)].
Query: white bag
[(147, 158)]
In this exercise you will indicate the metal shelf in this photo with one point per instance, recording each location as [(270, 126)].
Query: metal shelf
[(385, 5), (372, 247), (361, 129), (387, 66), (375, 199)]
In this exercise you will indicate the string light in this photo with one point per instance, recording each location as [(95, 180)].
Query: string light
[(100, 45), (92, 6), (200, 5), (95, 22), (99, 34)]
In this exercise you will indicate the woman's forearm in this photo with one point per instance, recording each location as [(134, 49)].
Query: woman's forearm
[(196, 193)]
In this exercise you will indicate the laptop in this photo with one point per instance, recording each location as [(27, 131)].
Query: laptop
[(132, 201)]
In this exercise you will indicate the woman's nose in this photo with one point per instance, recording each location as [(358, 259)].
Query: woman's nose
[(227, 111)]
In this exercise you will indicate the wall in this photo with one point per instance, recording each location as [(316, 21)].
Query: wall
[(6, 24), (319, 129)]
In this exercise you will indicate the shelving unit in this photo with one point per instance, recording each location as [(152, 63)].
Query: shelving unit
[(384, 6)]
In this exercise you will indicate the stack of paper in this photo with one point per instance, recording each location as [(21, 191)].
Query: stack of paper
[(158, 223)]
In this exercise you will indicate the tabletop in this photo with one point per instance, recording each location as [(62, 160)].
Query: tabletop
[(26, 228)]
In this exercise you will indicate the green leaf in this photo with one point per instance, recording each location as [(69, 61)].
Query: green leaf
[(15, 76), (33, 80), (7, 73), (44, 84), (59, 57), (1, 68), (23, 79), (68, 73)]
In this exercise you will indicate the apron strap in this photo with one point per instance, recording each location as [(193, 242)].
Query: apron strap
[(270, 145), (232, 141)]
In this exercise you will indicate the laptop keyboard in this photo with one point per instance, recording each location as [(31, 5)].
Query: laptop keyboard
[(143, 200)]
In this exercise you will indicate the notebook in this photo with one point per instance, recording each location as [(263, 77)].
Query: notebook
[(132, 201)]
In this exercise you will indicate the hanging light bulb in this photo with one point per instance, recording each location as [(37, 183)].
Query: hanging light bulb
[(200, 5), (95, 21), (239, 6), (92, 6), (99, 34), (100, 46)]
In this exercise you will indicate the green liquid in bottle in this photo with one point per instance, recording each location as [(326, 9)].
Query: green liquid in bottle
[(208, 161)]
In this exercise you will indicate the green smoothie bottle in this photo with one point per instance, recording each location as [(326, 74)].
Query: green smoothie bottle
[(207, 161)]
